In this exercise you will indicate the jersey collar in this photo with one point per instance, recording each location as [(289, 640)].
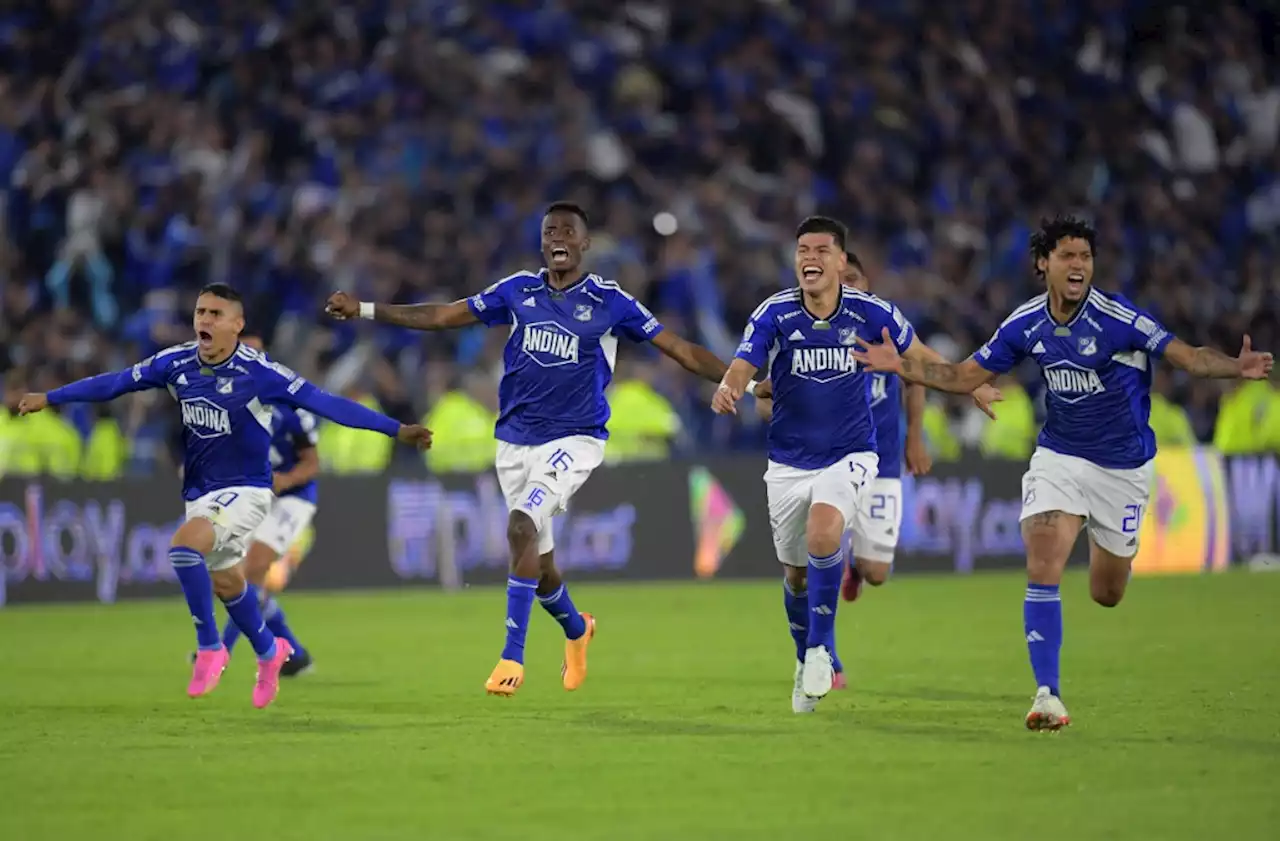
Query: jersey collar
[(1079, 313)]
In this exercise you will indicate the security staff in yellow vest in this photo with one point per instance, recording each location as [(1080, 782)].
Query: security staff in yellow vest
[(463, 418), (106, 451), (1248, 419), (1012, 435), (943, 444), (347, 451), (41, 444), (642, 423), (1169, 421)]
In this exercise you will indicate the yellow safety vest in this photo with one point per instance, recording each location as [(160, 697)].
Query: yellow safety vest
[(1170, 423), (1012, 435), (347, 451), (105, 453), (462, 435), (943, 445), (1247, 420), (641, 424)]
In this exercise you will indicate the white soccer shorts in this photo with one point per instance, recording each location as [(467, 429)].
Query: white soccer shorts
[(878, 523), (792, 491), (288, 519), (540, 480), (1112, 500), (235, 514)]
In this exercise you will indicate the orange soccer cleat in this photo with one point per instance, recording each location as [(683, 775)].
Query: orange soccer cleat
[(574, 669), (507, 677)]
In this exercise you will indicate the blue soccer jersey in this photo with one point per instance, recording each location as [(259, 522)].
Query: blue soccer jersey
[(886, 414), (292, 431), (559, 359), (821, 396), (1097, 372), (227, 419)]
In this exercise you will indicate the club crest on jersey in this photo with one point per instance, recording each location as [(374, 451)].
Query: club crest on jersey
[(1088, 345), (224, 385), (823, 364), (1072, 383), (549, 344), (205, 418), (848, 335), (582, 312)]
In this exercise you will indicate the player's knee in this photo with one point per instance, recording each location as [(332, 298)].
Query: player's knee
[(1047, 548), (797, 578), (522, 531), (196, 533), (228, 583), (874, 573), (824, 530), (1107, 593)]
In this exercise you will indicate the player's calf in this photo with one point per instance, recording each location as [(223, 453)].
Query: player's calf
[(874, 573), (824, 534)]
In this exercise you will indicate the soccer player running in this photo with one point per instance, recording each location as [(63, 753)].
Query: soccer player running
[(225, 391), (874, 531), (557, 364), (1093, 460), (822, 437), (295, 463)]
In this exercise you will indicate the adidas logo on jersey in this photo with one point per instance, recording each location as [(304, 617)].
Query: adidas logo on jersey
[(823, 364), (796, 336), (205, 418)]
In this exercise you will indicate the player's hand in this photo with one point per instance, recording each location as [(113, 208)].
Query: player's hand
[(414, 435), (32, 403), (919, 461), (1254, 365), (763, 390), (882, 357), (764, 408), (984, 395), (342, 306), (278, 483), (725, 400)]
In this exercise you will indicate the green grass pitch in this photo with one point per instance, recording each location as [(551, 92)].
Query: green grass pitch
[(683, 730)]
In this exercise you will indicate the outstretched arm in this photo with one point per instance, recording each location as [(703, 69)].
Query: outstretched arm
[(282, 386), (959, 378), (413, 316), (109, 386), (1214, 364), (692, 357), (983, 396)]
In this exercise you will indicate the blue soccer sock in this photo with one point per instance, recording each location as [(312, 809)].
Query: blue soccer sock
[(245, 612), (520, 593), (797, 605), (273, 613), (197, 586), (836, 665), (824, 597), (561, 608), (1042, 621)]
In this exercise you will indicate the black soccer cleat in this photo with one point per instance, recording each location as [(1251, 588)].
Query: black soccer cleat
[(300, 663)]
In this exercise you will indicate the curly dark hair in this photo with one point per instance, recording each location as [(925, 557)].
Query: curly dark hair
[(1052, 231)]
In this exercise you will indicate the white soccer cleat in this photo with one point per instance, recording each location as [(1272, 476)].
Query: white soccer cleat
[(800, 702), (1047, 712), (819, 672)]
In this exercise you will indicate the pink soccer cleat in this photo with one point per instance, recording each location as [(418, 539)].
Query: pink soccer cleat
[(839, 681), (268, 683), (208, 669)]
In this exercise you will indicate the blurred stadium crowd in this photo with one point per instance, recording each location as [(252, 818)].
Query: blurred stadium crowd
[(403, 150)]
